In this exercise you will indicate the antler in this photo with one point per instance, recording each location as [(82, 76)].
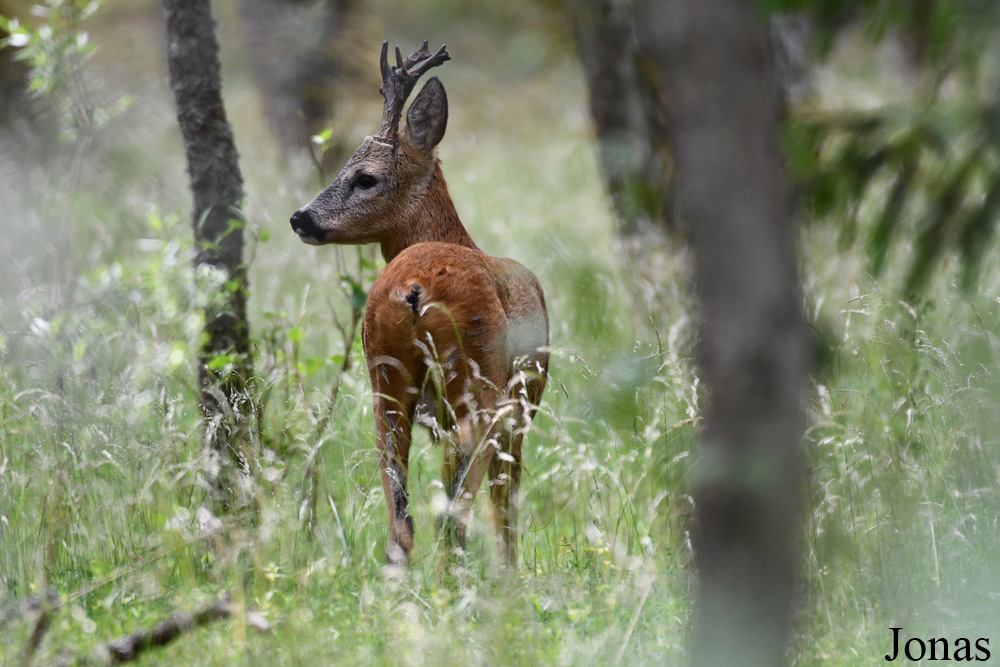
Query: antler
[(398, 83)]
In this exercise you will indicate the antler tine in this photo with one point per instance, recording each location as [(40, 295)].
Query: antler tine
[(439, 56), (418, 55), (384, 65), (398, 82)]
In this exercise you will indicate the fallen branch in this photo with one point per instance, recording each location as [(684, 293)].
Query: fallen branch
[(129, 647), (42, 622), (15, 609), (40, 609)]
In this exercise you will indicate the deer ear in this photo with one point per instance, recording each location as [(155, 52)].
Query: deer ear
[(427, 117)]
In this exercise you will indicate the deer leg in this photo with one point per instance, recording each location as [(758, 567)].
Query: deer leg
[(466, 458), (392, 435), (504, 482), (505, 473)]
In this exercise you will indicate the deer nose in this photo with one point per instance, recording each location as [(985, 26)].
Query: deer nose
[(303, 223)]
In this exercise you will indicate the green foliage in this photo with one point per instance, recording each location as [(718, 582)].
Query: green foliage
[(930, 175), (925, 168), (55, 48), (942, 31)]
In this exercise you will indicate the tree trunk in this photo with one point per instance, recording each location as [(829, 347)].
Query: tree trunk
[(713, 59), (24, 118), (224, 366), (301, 52), (13, 81), (629, 111), (629, 121)]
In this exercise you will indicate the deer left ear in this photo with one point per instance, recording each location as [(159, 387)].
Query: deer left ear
[(427, 117)]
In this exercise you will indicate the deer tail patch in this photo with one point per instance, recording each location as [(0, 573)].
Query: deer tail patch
[(413, 298)]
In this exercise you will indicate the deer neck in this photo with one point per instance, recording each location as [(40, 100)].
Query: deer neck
[(431, 217)]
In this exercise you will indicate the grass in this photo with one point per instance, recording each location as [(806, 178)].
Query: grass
[(104, 483)]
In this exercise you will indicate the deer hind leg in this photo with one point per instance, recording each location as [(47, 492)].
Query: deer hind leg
[(467, 456), (504, 483), (393, 420), (505, 468)]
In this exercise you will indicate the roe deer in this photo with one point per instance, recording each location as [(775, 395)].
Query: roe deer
[(448, 331)]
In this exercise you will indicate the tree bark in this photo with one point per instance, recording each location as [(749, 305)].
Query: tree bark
[(713, 59), (628, 109), (301, 52), (629, 121), (13, 81), (26, 120), (224, 365)]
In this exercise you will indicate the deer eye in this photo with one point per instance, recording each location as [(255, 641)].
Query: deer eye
[(365, 181)]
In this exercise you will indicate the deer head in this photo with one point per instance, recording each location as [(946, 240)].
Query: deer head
[(381, 189)]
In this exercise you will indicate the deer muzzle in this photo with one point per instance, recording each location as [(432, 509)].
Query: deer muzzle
[(305, 226)]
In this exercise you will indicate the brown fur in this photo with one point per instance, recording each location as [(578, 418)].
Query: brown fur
[(448, 330)]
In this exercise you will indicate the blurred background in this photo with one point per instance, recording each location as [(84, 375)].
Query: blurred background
[(556, 154)]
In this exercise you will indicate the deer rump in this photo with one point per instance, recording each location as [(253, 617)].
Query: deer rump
[(468, 339)]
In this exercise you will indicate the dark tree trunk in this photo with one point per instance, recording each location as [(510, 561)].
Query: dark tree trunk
[(713, 59), (13, 78), (629, 110), (224, 366), (13, 72), (300, 52), (20, 115), (629, 120), (792, 35)]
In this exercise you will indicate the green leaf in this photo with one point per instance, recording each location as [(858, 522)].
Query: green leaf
[(358, 298), (323, 136), (977, 231), (312, 365), (154, 220), (296, 335), (16, 40), (176, 355), (356, 294), (892, 215), (931, 241), (220, 361), (237, 222)]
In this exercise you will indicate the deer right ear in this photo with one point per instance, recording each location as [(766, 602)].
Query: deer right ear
[(427, 117)]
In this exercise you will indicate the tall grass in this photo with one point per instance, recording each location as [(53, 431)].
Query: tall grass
[(904, 468)]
